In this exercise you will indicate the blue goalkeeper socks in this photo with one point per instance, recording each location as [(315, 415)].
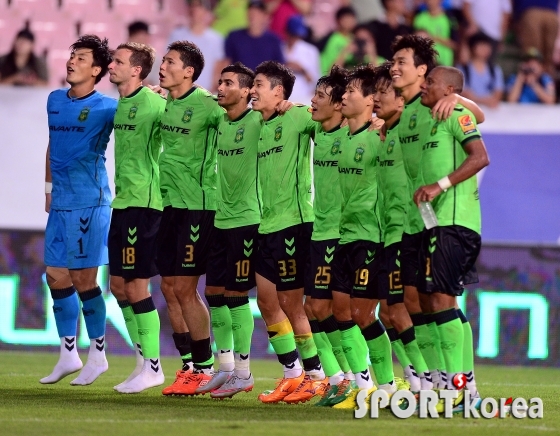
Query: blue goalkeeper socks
[(66, 308), (93, 308)]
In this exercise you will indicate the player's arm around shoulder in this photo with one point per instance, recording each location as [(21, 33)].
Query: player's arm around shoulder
[(445, 106), (300, 116)]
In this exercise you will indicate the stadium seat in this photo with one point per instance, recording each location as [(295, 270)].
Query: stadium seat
[(130, 10), (52, 28), (33, 8), (56, 62), (10, 24), (82, 9)]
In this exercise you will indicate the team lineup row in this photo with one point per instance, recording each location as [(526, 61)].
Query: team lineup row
[(211, 186)]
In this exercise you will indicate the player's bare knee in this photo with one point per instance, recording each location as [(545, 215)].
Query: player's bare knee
[(58, 278), (307, 306), (385, 319), (322, 309), (116, 284)]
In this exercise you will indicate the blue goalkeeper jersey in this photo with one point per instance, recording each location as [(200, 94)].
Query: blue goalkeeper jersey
[(79, 130)]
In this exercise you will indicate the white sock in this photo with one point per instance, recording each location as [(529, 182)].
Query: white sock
[(138, 368), (435, 377), (96, 364), (443, 380), (225, 357), (411, 377), (349, 376), (390, 387), (68, 361), (426, 381), (316, 373), (242, 362), (364, 380), (292, 370), (150, 376), (335, 379)]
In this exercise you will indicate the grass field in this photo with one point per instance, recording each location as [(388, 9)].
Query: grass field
[(29, 408)]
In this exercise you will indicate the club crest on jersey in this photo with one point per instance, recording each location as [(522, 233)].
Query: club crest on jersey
[(359, 154), (391, 146), (412, 121), (239, 134), (83, 114), (335, 149), (434, 128), (278, 133), (187, 116), (132, 112)]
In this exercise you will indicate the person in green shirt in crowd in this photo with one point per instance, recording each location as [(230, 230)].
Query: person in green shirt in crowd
[(452, 154), (136, 209), (340, 39), (438, 26)]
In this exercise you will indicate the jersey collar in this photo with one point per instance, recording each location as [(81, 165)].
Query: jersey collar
[(240, 117), (136, 91), (80, 98), (274, 115), (416, 97), (394, 125), (186, 94), (360, 130), (333, 129)]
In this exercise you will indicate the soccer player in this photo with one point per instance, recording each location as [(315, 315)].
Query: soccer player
[(231, 264), (388, 105), (452, 154), (78, 203), (284, 181), (414, 57), (326, 107), (188, 189), (137, 208), (358, 260)]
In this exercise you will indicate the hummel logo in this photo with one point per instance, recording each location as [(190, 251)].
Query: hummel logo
[(69, 345), (154, 365), (225, 351), (54, 112), (84, 222), (290, 365), (243, 356), (88, 312), (364, 375), (100, 344)]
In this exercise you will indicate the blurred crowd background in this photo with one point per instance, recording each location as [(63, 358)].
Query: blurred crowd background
[(509, 50)]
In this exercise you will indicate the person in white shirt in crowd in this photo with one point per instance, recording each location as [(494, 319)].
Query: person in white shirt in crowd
[(490, 17)]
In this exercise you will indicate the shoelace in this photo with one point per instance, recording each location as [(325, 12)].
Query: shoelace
[(192, 377), (342, 386), (303, 384), (327, 391), (231, 381)]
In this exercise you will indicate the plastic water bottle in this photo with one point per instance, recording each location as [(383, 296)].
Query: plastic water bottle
[(428, 215)]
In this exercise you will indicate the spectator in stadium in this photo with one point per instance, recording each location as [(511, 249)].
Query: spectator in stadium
[(484, 80), (230, 15), (210, 42), (366, 10), (302, 58), (21, 67), (340, 39), (531, 84), (386, 30), (361, 50), (256, 43), (139, 31), (488, 17), (537, 26), (282, 10), (438, 26)]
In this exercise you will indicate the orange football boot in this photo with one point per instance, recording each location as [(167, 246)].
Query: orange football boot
[(283, 388), (307, 389), (179, 377), (192, 382)]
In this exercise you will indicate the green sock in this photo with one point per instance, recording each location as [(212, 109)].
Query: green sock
[(451, 333), (379, 347), (242, 323), (147, 319), (434, 333), (330, 327), (413, 351), (221, 322), (468, 350), (398, 348), (305, 345), (425, 341), (324, 349), (281, 337), (130, 321), (354, 346)]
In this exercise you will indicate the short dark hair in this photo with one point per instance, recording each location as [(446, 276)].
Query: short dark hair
[(452, 77), (245, 75), (344, 10), (423, 50), (191, 56), (364, 74), (142, 56), (479, 38), (337, 79), (102, 56), (382, 75), (277, 74), (138, 26)]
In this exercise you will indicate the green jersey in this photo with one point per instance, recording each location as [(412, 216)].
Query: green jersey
[(188, 161), (137, 149), (438, 26), (357, 168), (415, 121), (442, 154), (326, 203), (284, 170), (238, 140), (393, 186)]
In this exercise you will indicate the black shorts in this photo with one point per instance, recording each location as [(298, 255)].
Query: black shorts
[(283, 256), (450, 253), (392, 276), (412, 261), (231, 263), (132, 242), (184, 240), (356, 270), (318, 281)]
